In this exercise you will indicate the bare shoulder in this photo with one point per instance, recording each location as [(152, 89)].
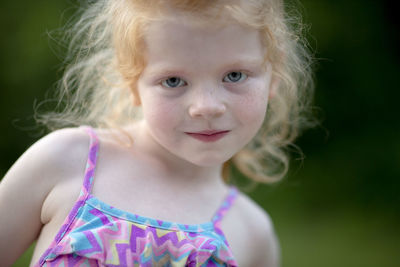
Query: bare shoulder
[(48, 162), (66, 148), (53, 155), (260, 233), (61, 143), (28, 182), (64, 154)]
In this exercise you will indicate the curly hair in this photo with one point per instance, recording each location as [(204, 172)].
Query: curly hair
[(105, 59)]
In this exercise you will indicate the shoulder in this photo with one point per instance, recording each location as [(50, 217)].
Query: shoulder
[(47, 160), (57, 151), (261, 234), (63, 140), (25, 187)]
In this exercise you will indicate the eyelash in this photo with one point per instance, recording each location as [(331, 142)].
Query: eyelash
[(181, 82), (242, 77)]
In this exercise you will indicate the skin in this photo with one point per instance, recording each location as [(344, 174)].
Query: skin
[(202, 58), (178, 168)]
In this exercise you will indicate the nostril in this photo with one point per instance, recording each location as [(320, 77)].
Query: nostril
[(207, 101), (207, 111)]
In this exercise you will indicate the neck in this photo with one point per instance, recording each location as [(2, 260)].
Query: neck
[(172, 169)]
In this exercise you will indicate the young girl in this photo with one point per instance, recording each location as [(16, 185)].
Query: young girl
[(173, 91)]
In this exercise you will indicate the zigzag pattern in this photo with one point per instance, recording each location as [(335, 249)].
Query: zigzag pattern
[(97, 234), (97, 238)]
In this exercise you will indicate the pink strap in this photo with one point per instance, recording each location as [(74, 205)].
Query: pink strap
[(85, 191), (91, 161), (226, 205)]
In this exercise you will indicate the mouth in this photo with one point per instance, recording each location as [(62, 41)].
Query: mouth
[(208, 136)]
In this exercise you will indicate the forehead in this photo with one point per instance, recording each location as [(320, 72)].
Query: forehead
[(189, 40)]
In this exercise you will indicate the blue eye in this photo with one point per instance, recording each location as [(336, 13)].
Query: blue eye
[(234, 77), (173, 82)]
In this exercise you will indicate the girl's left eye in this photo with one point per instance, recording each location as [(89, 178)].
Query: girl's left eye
[(173, 82), (234, 77)]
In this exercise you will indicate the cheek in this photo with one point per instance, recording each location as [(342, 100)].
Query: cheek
[(252, 107), (160, 114)]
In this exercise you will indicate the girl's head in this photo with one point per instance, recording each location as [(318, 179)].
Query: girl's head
[(112, 63), (201, 80)]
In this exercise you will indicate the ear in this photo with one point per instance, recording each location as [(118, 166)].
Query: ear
[(275, 82), (135, 95)]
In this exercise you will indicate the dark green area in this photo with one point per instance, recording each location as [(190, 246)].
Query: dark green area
[(340, 206)]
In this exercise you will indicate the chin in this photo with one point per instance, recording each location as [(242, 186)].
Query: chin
[(210, 160)]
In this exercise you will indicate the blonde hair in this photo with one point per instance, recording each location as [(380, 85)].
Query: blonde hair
[(105, 59)]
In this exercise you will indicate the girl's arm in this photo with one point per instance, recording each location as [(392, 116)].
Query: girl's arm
[(24, 189), (268, 252), (265, 249)]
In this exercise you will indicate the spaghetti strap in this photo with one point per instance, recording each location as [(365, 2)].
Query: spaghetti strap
[(225, 206), (84, 194), (77, 240), (91, 161)]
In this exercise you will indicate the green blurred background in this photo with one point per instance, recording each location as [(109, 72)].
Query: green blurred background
[(340, 206)]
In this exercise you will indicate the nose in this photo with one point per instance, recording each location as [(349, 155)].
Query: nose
[(206, 104)]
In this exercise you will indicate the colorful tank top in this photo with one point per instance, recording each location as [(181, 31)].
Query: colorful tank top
[(97, 234)]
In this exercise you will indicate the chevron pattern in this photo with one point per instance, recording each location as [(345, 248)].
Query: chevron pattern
[(97, 234)]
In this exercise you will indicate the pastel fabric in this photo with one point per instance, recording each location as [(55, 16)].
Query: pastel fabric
[(97, 234)]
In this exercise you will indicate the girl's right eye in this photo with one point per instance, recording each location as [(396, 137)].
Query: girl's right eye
[(173, 82)]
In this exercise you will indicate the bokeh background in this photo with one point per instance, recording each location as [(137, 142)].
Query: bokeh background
[(337, 207)]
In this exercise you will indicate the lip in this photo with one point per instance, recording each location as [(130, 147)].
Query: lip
[(208, 136)]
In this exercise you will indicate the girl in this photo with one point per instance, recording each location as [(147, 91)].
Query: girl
[(176, 90)]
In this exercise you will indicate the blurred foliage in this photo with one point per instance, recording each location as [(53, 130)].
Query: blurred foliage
[(337, 207)]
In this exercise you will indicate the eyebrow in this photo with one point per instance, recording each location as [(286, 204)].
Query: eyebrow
[(254, 62), (166, 69)]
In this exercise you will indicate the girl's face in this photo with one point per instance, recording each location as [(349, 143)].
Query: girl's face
[(204, 89)]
